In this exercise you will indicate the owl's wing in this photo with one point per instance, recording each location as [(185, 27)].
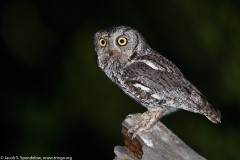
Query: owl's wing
[(156, 81)]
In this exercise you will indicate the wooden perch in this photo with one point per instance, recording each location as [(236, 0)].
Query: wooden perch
[(160, 144)]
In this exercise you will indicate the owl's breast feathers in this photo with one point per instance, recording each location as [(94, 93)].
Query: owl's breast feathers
[(154, 81)]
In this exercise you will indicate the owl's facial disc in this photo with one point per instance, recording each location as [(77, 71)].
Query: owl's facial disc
[(121, 41), (116, 43)]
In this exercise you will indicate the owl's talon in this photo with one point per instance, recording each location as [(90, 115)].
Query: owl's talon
[(129, 116), (132, 132), (135, 130), (149, 118)]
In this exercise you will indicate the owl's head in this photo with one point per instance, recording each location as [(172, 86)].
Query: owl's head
[(119, 42)]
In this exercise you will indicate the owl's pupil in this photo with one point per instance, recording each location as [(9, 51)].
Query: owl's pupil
[(102, 42), (121, 41)]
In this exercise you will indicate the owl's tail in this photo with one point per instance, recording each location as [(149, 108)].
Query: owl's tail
[(214, 115)]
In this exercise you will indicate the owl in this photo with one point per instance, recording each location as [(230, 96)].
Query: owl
[(148, 77)]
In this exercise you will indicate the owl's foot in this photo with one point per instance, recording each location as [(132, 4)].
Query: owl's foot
[(149, 119)]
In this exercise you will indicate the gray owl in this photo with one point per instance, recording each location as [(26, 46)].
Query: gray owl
[(148, 77)]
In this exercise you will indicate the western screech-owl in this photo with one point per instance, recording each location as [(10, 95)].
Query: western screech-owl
[(147, 76)]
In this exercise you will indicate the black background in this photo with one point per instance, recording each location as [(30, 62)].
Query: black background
[(56, 101)]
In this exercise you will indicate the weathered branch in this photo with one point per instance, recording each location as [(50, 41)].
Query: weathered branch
[(160, 144)]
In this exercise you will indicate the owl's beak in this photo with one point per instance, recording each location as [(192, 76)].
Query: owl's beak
[(113, 53)]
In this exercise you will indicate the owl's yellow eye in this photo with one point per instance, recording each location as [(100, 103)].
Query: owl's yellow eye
[(102, 42), (122, 41)]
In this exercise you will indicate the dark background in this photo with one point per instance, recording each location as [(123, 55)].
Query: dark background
[(57, 102)]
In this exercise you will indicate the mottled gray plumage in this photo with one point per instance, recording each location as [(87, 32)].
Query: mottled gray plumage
[(146, 76)]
